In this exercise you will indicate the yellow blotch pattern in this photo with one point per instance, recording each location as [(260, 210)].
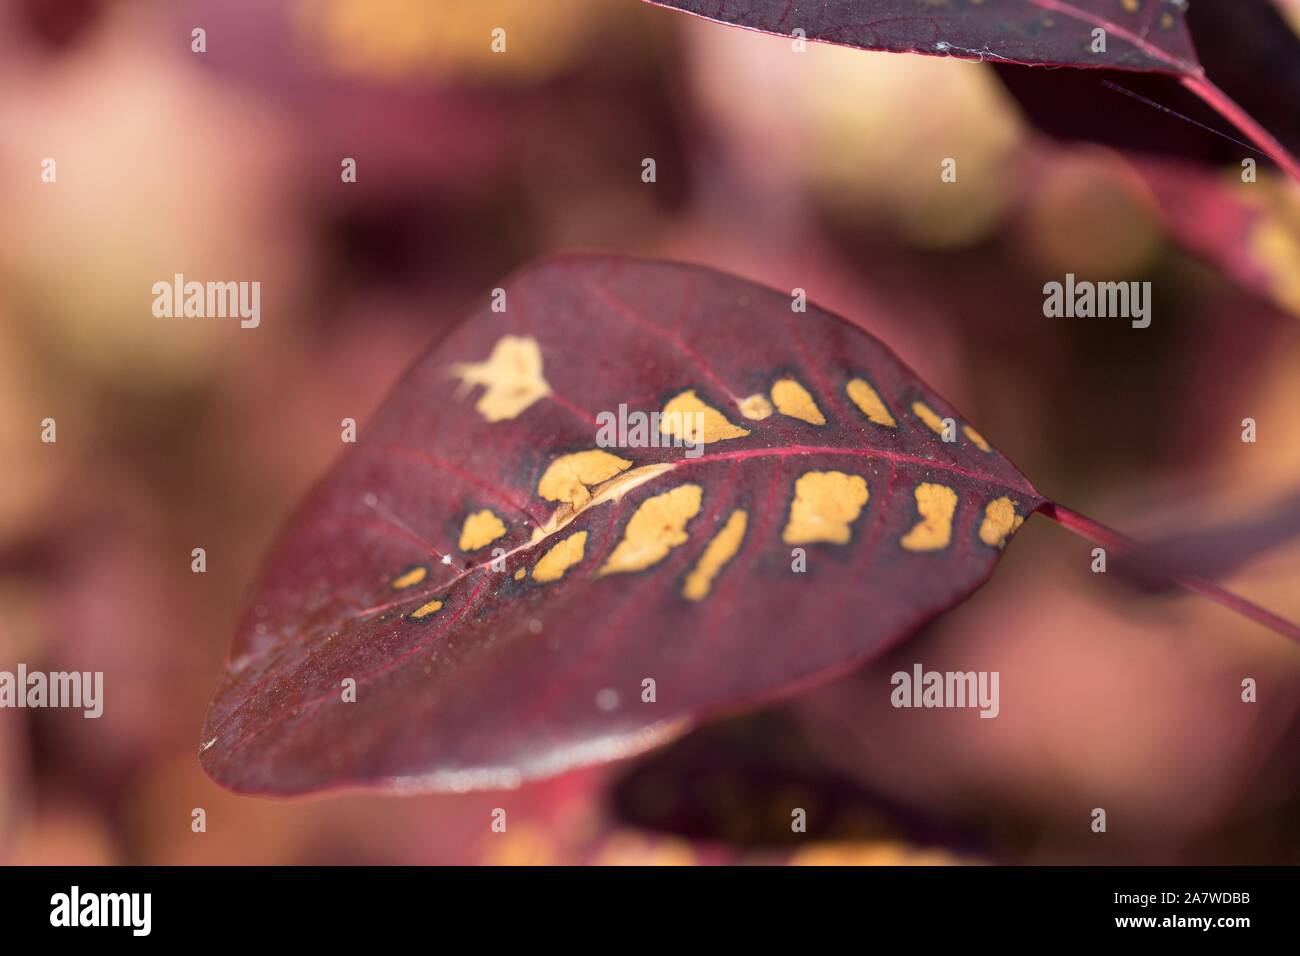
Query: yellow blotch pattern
[(721, 549), (480, 529), (976, 438), (424, 610), (657, 526), (928, 415), (936, 505), (869, 403), (569, 477), (793, 399), (756, 407), (678, 419), (825, 504), (511, 378), (409, 578), (560, 558), (1000, 522)]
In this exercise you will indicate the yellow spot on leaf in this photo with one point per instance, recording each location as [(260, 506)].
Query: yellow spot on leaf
[(560, 558), (721, 549), (825, 504), (409, 578), (481, 528), (756, 407), (1000, 522), (511, 377), (570, 477), (793, 399), (936, 505), (682, 413), (424, 610), (1131, 5), (976, 438), (929, 416), (869, 403), (520, 574), (657, 526)]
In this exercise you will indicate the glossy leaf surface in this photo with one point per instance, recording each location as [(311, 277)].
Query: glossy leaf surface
[(502, 589)]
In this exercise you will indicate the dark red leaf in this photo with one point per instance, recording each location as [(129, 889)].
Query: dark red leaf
[(473, 675), (1245, 46), (1146, 36), (1150, 35)]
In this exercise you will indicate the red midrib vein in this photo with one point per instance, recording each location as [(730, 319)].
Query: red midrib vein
[(790, 451), (743, 454)]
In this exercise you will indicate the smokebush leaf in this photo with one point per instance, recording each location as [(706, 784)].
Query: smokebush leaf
[(1138, 36), (509, 599), (1238, 44), (1149, 35)]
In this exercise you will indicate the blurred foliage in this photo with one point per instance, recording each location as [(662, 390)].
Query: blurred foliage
[(815, 169)]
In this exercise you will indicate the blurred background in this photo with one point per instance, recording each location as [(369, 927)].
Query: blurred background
[(817, 169)]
